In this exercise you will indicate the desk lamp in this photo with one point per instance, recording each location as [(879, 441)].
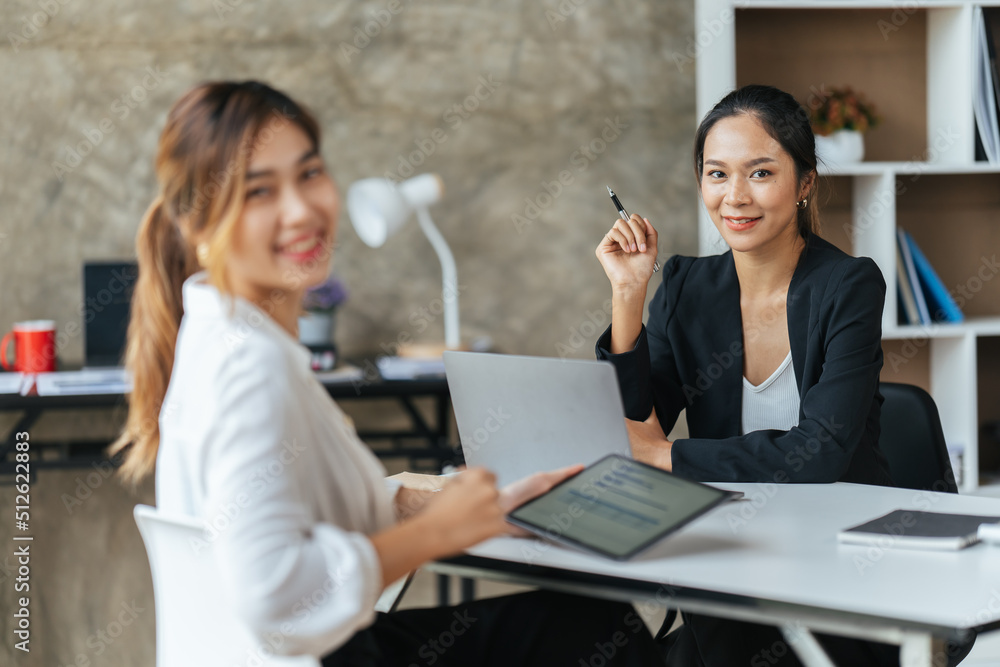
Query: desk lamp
[(378, 208)]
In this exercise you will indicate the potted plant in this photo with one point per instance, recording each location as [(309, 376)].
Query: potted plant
[(320, 306), (839, 121)]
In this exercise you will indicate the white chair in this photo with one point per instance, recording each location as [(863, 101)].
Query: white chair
[(190, 630)]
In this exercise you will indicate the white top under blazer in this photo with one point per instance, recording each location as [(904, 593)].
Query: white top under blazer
[(774, 403), (252, 443)]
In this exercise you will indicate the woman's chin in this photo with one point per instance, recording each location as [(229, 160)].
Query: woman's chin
[(305, 274), (739, 242)]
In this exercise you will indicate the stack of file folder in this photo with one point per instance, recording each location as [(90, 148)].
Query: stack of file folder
[(923, 298)]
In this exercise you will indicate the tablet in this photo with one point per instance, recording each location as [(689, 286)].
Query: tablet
[(617, 507)]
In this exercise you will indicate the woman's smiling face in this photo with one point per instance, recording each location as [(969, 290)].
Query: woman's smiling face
[(749, 185), (285, 235)]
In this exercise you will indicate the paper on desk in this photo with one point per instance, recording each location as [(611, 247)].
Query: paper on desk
[(13, 383), (413, 480), (71, 383), (344, 373), (406, 368)]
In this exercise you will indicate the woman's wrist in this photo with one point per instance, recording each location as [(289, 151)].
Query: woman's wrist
[(626, 320), (404, 547), (629, 293), (433, 538), (666, 456), (430, 537), (656, 453)]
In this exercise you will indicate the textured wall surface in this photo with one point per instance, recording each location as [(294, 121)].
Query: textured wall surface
[(497, 97), (500, 98)]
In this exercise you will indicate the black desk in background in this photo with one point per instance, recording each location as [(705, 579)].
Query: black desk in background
[(432, 437)]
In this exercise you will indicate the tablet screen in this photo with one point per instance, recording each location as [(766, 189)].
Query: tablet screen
[(616, 507)]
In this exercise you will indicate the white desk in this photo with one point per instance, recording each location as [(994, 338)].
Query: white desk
[(774, 558)]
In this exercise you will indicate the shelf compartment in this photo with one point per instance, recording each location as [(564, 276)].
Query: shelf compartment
[(803, 51), (907, 361), (955, 219)]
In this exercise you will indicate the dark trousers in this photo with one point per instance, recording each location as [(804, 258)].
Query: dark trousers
[(537, 628), (704, 641)]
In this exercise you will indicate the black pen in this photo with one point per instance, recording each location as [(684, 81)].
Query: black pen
[(618, 204), (625, 217)]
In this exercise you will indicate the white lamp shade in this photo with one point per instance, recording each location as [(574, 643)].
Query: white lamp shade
[(376, 210), (378, 207)]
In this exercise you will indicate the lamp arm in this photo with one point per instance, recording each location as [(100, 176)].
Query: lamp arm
[(449, 278)]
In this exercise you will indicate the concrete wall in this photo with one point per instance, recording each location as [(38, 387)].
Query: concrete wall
[(520, 92), (595, 93)]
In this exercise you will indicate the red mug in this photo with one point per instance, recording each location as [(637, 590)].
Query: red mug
[(35, 347)]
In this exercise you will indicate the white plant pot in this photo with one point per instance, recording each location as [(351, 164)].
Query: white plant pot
[(841, 147), (316, 328)]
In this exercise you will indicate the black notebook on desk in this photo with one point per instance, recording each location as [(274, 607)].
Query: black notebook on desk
[(912, 529)]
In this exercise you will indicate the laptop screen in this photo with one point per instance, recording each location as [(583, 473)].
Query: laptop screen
[(107, 300)]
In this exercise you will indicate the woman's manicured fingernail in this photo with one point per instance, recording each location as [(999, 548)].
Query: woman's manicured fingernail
[(642, 247)]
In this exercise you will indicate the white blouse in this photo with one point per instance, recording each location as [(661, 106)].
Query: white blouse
[(251, 443), (774, 403)]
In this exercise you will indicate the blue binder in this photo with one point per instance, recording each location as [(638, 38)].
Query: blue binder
[(941, 305)]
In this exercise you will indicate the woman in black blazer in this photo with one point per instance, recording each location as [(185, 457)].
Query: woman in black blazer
[(718, 323), (692, 355)]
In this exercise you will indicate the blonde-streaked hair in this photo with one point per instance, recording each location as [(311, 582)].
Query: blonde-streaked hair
[(201, 165)]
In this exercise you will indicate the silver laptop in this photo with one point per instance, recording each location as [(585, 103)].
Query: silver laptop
[(519, 415)]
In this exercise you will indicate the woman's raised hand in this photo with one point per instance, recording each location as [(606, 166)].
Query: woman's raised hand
[(627, 253)]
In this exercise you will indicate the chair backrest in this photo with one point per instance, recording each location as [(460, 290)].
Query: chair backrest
[(913, 441), (191, 629)]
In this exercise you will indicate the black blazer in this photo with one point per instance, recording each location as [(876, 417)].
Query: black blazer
[(690, 355)]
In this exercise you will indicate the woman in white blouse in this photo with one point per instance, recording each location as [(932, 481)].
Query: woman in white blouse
[(304, 526)]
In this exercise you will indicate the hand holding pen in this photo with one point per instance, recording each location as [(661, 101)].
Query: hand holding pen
[(624, 251), (637, 236), (628, 255)]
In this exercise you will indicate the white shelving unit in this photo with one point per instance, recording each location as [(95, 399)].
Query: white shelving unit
[(916, 58)]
